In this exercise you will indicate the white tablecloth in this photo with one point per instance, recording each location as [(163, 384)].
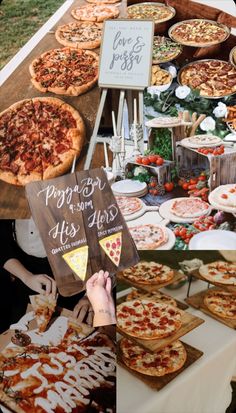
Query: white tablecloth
[(204, 387)]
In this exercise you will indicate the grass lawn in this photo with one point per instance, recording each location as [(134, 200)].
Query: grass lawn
[(19, 20)]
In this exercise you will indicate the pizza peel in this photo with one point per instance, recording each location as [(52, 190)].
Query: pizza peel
[(218, 206), (165, 212), (145, 208)]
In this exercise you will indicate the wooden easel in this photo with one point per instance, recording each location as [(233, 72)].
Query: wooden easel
[(94, 138)]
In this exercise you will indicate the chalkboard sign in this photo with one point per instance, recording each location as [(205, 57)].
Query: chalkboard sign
[(126, 54), (81, 226)]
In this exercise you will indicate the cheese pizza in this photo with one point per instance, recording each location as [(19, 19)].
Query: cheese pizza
[(83, 35), (39, 138), (149, 236), (95, 13), (199, 141), (221, 303), (220, 272), (129, 205), (147, 319), (149, 273), (189, 207), (65, 71), (168, 360)]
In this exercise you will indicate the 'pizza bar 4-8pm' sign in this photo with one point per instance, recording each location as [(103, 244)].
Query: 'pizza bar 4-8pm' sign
[(81, 227)]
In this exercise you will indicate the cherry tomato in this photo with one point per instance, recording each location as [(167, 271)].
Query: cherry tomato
[(145, 161), (155, 192), (187, 241), (169, 186), (202, 178), (183, 232), (138, 159), (151, 191), (152, 184), (176, 232), (193, 181), (152, 158), (185, 186), (159, 161)]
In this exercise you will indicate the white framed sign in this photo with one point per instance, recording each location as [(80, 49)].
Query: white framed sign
[(126, 54)]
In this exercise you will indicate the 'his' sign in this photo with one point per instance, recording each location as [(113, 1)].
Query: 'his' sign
[(81, 227)]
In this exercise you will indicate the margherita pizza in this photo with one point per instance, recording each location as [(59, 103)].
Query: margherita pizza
[(221, 303), (44, 307), (149, 273), (95, 13), (65, 71), (169, 359), (225, 196), (189, 207), (149, 236), (148, 320), (156, 296), (213, 78), (39, 139), (199, 32), (220, 272), (129, 205), (83, 35)]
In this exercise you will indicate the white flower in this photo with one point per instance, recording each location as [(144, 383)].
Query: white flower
[(181, 92), (153, 91), (139, 170), (220, 110), (208, 124), (172, 70)]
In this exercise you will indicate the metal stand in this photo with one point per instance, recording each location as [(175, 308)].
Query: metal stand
[(94, 138)]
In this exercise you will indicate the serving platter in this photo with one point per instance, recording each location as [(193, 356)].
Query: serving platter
[(155, 5), (216, 239), (160, 42), (165, 212)]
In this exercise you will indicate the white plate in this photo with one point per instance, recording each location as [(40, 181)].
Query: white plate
[(224, 208), (215, 239), (171, 236), (145, 209), (165, 212), (188, 144), (135, 194), (128, 186)]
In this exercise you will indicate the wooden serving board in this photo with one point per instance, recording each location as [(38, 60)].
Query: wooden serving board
[(230, 288), (189, 322), (180, 305), (157, 383), (197, 302), (150, 288)]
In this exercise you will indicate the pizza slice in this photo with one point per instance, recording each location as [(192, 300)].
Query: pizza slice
[(112, 247), (78, 261), (44, 307)]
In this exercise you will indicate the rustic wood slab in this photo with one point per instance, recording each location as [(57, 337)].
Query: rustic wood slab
[(189, 322), (180, 305), (230, 288), (157, 383), (197, 302), (151, 288)]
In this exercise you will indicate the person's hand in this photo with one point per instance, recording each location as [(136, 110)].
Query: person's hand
[(40, 283), (83, 311)]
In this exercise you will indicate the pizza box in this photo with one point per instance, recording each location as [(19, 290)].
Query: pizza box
[(157, 383), (196, 301), (230, 288), (189, 322), (154, 287), (180, 305)]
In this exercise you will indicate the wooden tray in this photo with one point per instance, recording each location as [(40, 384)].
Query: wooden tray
[(150, 288), (157, 383), (196, 301), (230, 288), (189, 322), (180, 305)]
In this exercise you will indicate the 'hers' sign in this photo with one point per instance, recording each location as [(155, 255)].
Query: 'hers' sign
[(126, 54)]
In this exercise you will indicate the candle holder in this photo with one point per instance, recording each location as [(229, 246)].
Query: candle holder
[(115, 147), (138, 130)]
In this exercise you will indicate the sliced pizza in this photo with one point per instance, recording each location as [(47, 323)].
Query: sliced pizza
[(44, 307), (112, 247), (156, 296), (219, 272), (221, 303), (78, 260)]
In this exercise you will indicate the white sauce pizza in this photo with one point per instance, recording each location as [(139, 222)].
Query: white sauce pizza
[(221, 303), (149, 320), (171, 358), (149, 272), (198, 141), (149, 236), (219, 271), (189, 207)]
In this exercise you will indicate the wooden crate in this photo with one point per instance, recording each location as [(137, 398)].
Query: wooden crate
[(220, 167), (163, 172)]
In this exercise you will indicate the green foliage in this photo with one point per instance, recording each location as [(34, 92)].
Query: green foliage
[(162, 144), (144, 177)]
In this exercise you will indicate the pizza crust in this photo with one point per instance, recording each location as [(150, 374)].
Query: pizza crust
[(216, 301), (79, 43), (149, 273), (96, 13), (180, 207), (220, 270)]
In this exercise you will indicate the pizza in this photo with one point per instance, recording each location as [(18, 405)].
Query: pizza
[(112, 246), (102, 1), (78, 260), (231, 118), (39, 138), (200, 141), (129, 205), (219, 271), (56, 379), (189, 207), (164, 121), (149, 236), (95, 13), (221, 303), (83, 35), (44, 307), (157, 12), (65, 71), (213, 78), (149, 273), (168, 360), (199, 32), (156, 296), (225, 196), (164, 49), (147, 319)]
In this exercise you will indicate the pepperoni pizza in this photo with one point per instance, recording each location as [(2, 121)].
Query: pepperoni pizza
[(221, 303), (219, 271), (149, 273)]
